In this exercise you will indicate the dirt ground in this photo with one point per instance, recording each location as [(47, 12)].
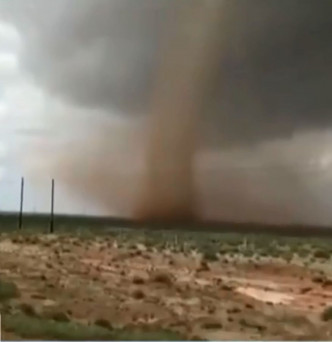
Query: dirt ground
[(232, 298)]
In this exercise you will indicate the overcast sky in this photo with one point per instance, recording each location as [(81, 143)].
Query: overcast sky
[(24, 113), (74, 74)]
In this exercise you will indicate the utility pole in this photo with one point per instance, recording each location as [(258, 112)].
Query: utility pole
[(20, 218), (52, 209)]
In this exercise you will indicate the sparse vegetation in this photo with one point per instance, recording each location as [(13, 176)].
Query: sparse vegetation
[(58, 316), (37, 328), (144, 280), (226, 287), (138, 280), (318, 279), (8, 290), (210, 256), (138, 294), (212, 325), (104, 323), (162, 277), (28, 309), (322, 254), (204, 266), (327, 314)]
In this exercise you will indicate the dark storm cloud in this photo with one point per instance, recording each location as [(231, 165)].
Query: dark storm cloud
[(275, 66), (95, 53)]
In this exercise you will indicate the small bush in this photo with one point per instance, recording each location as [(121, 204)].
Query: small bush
[(162, 277), (28, 309), (327, 282), (320, 254), (171, 262), (287, 256), (327, 314), (17, 239), (305, 290), (138, 294), (138, 280), (204, 266), (318, 279), (248, 324), (57, 316), (210, 256), (226, 287), (104, 323), (234, 311), (212, 325), (8, 290), (33, 240)]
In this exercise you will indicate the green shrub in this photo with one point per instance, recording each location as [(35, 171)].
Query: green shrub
[(8, 290), (210, 255), (320, 254), (28, 309)]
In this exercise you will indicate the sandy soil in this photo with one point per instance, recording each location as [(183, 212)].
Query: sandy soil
[(218, 300)]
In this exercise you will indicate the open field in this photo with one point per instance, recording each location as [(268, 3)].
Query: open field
[(65, 222), (171, 285)]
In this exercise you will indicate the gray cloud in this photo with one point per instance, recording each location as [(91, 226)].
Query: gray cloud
[(273, 81), (275, 66)]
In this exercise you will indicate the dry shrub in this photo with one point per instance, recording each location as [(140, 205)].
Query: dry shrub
[(138, 280), (28, 309), (212, 324), (318, 279), (327, 314), (321, 254), (204, 266), (57, 316), (138, 294), (8, 290), (162, 278), (104, 323)]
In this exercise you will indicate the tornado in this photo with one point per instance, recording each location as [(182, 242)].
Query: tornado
[(184, 79)]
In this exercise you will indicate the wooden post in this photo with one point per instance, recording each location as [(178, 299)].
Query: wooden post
[(20, 218), (52, 208)]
